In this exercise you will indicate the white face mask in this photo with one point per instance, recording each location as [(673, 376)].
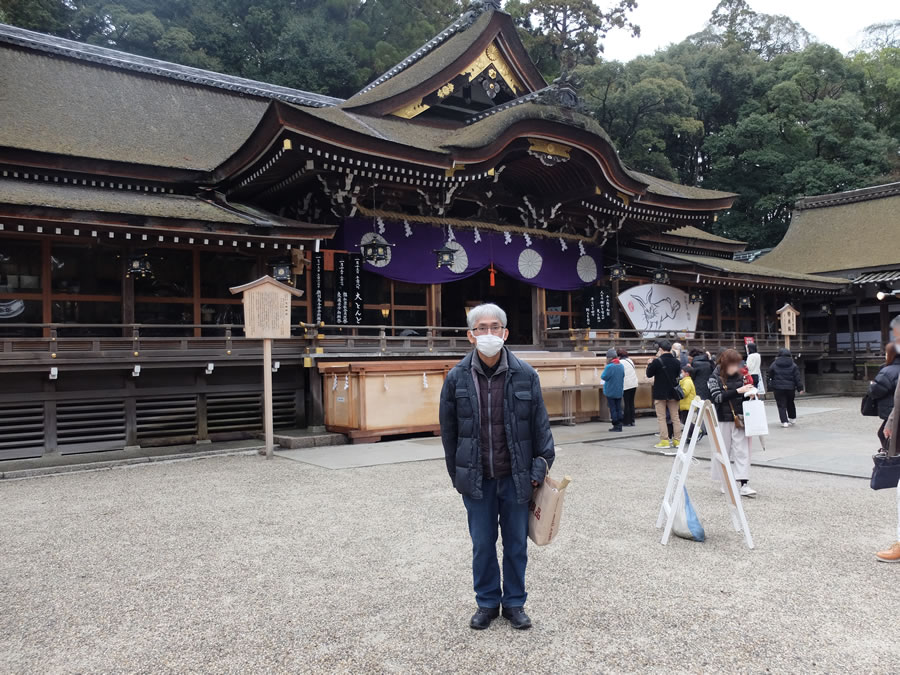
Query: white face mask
[(489, 345)]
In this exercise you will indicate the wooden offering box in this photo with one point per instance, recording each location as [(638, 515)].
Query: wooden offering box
[(370, 399)]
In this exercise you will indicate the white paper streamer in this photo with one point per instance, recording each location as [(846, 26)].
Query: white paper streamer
[(527, 238), (565, 374), (476, 235), (380, 225), (450, 235), (386, 387), (581, 247), (507, 238), (407, 230), (334, 383), (346, 381), (425, 380), (595, 373), (562, 244)]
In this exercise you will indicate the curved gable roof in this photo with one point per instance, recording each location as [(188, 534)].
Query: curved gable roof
[(443, 58)]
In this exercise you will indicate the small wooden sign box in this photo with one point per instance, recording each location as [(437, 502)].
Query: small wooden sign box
[(700, 413), (267, 315)]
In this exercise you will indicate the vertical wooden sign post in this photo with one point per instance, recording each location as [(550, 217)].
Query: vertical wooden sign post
[(788, 316), (267, 315)]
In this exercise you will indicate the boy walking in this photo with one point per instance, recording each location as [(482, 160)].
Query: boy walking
[(613, 377), (690, 393)]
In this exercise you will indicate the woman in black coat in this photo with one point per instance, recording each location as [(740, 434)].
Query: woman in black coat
[(882, 388), (784, 380)]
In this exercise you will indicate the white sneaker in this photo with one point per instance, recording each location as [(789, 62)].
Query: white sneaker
[(791, 422), (747, 491), (785, 425)]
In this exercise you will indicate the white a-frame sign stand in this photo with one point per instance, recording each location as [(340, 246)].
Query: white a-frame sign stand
[(701, 412)]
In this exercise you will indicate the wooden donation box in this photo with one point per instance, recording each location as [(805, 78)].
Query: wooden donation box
[(267, 316)]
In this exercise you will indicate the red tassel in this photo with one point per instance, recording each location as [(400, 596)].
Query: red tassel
[(493, 280)]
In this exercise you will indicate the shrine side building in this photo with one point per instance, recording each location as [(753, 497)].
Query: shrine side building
[(134, 193)]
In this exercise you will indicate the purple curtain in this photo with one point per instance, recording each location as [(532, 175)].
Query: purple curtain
[(543, 263)]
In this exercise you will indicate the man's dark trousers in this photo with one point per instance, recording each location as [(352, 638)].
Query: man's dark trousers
[(615, 411), (498, 505)]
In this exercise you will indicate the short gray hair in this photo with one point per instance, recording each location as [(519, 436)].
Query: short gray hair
[(488, 309), (896, 322)]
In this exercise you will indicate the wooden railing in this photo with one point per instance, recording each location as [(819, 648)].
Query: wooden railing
[(43, 343)]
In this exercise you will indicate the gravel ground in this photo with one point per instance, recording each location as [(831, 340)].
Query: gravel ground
[(236, 564)]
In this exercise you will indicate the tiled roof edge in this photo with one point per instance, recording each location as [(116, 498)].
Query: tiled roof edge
[(849, 197), (50, 44)]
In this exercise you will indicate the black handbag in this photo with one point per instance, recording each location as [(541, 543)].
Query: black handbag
[(868, 406), (886, 472)]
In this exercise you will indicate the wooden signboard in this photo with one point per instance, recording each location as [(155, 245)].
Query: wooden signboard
[(267, 315), (701, 413), (788, 317)]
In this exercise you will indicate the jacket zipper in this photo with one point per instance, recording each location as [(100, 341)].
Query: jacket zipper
[(490, 429)]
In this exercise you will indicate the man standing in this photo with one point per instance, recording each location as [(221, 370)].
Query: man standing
[(665, 370), (493, 427)]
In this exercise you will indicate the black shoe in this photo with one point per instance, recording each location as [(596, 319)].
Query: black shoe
[(630, 424), (517, 617), (483, 616)]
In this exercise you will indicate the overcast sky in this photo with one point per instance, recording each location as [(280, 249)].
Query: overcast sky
[(665, 21)]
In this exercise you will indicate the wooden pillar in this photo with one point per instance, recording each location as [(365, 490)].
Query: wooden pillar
[(617, 322), (761, 316), (198, 314), (536, 315), (202, 419), (315, 407), (717, 310), (434, 305), (885, 325), (46, 281), (51, 444), (851, 310), (131, 439), (832, 331), (127, 294)]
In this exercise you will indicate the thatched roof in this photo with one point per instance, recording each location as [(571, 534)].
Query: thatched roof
[(107, 200), (756, 271), (691, 232), (844, 231), (63, 97)]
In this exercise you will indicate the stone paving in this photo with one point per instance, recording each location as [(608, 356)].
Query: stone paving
[(238, 564)]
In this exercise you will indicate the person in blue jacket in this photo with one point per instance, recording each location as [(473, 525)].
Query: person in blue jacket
[(613, 377)]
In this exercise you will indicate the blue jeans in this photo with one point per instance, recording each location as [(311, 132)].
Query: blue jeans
[(498, 505), (615, 410)]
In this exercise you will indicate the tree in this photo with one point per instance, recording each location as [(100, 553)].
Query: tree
[(768, 35), (570, 30), (880, 35)]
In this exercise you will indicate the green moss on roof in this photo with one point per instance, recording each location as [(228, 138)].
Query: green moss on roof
[(847, 236), (106, 200), (753, 269), (426, 67), (57, 105)]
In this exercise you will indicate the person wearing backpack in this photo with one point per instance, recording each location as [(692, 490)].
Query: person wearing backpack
[(665, 370), (784, 379)]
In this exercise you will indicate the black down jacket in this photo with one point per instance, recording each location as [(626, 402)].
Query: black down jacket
[(666, 373), (882, 389), (702, 372), (527, 428), (723, 392), (784, 373)]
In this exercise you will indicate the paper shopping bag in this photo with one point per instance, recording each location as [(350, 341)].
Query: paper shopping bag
[(546, 509), (755, 423)]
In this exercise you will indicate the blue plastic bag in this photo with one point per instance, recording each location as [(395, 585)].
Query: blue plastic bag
[(687, 524)]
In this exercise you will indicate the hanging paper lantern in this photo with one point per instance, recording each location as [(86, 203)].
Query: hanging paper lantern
[(139, 266), (283, 274)]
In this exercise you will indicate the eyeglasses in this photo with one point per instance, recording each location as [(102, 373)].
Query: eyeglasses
[(482, 328)]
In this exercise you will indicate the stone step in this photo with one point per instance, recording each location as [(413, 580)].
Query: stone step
[(293, 439)]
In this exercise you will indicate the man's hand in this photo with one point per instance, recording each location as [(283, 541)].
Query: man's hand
[(887, 433), (745, 388), (534, 483)]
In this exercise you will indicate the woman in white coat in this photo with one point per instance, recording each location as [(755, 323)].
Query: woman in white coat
[(754, 367), (631, 384)]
